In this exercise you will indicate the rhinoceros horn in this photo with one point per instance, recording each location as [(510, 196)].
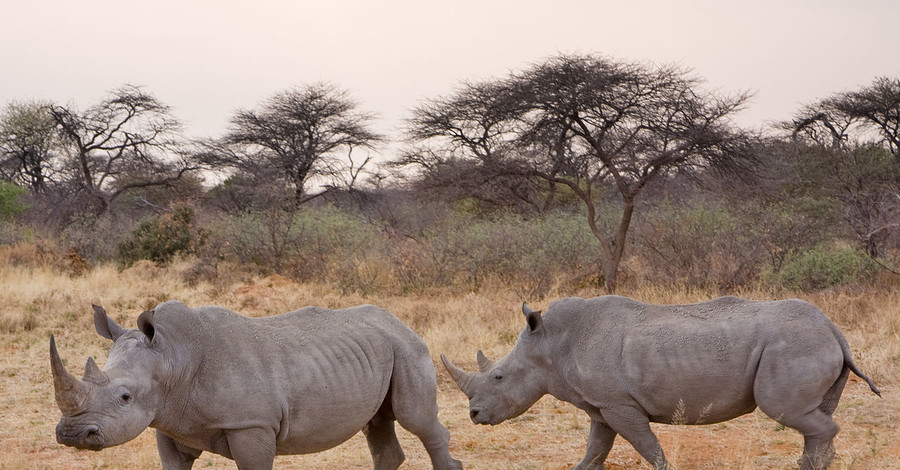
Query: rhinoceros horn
[(484, 363), (93, 374), (70, 392), (461, 377)]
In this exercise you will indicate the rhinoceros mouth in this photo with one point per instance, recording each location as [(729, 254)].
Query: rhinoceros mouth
[(81, 437), (480, 416)]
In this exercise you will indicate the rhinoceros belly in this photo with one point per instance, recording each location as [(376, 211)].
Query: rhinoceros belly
[(692, 376), (337, 386)]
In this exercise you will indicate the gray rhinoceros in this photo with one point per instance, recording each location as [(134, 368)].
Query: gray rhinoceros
[(628, 363), (211, 380)]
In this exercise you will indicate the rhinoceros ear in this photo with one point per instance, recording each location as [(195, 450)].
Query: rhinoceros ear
[(106, 327), (533, 317), (145, 324)]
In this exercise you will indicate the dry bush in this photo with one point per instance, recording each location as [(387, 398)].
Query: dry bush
[(45, 254), (30, 254), (203, 269)]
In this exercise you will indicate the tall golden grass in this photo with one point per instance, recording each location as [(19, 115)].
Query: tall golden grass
[(38, 299)]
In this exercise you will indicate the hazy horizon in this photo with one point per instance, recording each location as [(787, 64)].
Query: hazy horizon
[(207, 58)]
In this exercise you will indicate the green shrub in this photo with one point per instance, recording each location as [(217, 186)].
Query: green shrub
[(695, 242), (308, 244), (825, 266), (468, 249), (162, 238), (10, 206)]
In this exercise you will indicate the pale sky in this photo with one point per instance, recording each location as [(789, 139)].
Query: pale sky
[(206, 58)]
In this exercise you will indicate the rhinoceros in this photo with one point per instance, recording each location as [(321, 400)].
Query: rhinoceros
[(208, 379), (628, 364)]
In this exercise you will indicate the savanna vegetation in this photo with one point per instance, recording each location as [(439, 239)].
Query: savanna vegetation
[(39, 298), (578, 170), (579, 175)]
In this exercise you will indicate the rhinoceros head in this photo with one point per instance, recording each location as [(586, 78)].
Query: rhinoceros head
[(506, 388), (112, 406)]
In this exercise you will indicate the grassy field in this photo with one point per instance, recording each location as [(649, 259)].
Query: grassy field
[(37, 300)]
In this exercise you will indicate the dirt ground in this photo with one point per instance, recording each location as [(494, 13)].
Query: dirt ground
[(551, 435)]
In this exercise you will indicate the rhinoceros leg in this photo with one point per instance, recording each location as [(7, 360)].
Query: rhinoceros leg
[(802, 392), (414, 405), (833, 396), (174, 456), (818, 431), (634, 426), (818, 448), (600, 442), (382, 438), (252, 448)]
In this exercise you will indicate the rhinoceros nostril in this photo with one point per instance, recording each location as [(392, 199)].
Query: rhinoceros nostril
[(473, 413), (91, 434)]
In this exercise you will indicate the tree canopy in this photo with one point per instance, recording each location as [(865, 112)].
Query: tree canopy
[(588, 122), (300, 134)]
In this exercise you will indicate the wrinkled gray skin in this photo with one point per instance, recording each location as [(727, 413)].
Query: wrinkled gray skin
[(211, 380), (628, 364)]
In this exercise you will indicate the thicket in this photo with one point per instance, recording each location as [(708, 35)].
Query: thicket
[(163, 237), (510, 181), (403, 242)]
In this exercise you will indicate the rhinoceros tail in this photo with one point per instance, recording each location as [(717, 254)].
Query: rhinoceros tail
[(848, 360), (850, 365)]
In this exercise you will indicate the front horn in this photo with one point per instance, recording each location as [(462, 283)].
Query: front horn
[(70, 392), (461, 377)]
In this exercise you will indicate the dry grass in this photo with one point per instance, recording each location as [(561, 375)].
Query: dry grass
[(38, 300)]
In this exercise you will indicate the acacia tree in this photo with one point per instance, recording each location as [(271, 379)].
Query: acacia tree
[(300, 134), (28, 145), (471, 147), (857, 136), (879, 107), (126, 141), (595, 124), (624, 125), (868, 116)]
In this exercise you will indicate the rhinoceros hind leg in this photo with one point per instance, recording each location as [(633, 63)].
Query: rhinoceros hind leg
[(414, 404), (382, 439), (802, 398), (833, 395), (818, 431)]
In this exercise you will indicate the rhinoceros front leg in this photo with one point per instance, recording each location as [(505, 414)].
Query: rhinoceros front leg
[(173, 455), (600, 442), (634, 426), (252, 448)]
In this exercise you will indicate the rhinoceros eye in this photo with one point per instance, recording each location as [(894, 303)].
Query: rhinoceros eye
[(125, 396), (497, 375)]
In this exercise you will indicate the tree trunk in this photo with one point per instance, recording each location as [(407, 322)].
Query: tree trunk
[(617, 251), (610, 276)]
